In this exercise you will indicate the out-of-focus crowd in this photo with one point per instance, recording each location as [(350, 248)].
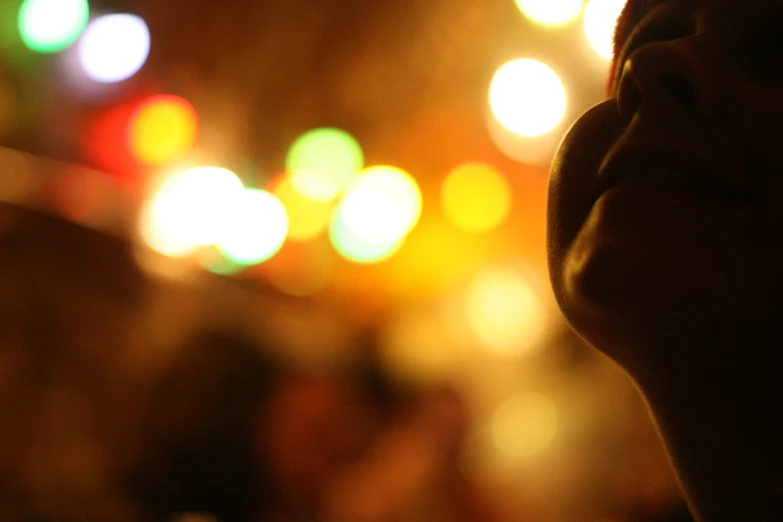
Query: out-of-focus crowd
[(119, 403)]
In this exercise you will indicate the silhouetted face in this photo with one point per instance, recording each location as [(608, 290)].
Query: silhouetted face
[(666, 200)]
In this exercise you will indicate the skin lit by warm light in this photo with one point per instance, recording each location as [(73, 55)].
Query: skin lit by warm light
[(357, 249), (322, 162), (504, 311), (163, 129), (114, 47), (524, 425), (257, 228), (382, 205), (527, 97), (49, 26), (550, 12), (599, 22), (191, 209), (475, 197), (307, 218)]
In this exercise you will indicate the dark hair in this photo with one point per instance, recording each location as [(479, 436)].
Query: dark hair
[(201, 452)]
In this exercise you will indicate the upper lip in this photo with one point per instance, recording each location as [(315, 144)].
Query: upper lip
[(626, 161)]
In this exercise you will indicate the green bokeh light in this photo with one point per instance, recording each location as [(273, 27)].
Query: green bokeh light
[(321, 162), (357, 249), (49, 26)]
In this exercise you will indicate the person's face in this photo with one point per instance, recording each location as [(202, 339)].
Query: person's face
[(665, 219)]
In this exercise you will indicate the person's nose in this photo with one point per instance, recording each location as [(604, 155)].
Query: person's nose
[(664, 76)]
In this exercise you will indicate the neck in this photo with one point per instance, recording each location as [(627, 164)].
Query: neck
[(719, 422)]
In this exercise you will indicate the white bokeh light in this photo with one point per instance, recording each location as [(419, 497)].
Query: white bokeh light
[(600, 19), (550, 12), (527, 97), (256, 229), (190, 210), (114, 47)]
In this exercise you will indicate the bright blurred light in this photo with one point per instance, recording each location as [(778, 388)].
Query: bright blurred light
[(321, 162), (191, 209), (600, 20), (49, 26), (550, 12), (476, 197), (382, 205), (256, 229), (525, 425), (307, 218), (505, 312), (527, 97), (163, 129), (359, 249), (114, 47)]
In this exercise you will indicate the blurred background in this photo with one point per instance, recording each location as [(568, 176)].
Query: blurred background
[(285, 260)]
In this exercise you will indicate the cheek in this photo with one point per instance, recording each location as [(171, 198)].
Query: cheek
[(573, 188)]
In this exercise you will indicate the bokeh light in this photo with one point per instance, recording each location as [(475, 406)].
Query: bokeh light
[(49, 26), (476, 197), (382, 205), (256, 229), (600, 19), (163, 129), (106, 139), (321, 162), (527, 97), (307, 218), (191, 209), (114, 47), (359, 249), (505, 312), (525, 425), (550, 12)]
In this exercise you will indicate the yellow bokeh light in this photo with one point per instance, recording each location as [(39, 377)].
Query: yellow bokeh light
[(550, 12), (382, 205), (163, 129), (476, 197), (525, 425), (307, 218), (527, 97), (505, 312), (600, 20), (190, 209)]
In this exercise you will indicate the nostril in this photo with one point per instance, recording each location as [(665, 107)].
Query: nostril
[(679, 87)]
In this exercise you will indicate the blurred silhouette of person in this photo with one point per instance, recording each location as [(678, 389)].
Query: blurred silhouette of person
[(665, 239)]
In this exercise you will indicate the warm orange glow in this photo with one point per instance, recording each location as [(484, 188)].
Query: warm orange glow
[(308, 218)]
